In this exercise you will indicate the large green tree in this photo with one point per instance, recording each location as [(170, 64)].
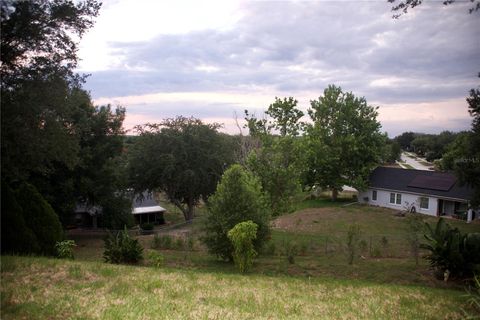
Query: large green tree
[(344, 141), (278, 162), (40, 92), (182, 157), (52, 135), (463, 155)]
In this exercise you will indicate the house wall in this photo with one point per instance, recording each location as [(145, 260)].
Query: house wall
[(383, 200)]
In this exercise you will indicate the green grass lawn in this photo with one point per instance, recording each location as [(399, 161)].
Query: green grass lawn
[(41, 288)]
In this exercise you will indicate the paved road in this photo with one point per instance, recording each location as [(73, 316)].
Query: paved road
[(414, 163)]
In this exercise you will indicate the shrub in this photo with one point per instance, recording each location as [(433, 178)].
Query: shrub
[(238, 198), (162, 242), (65, 249), (147, 226), (473, 300), (451, 252), (353, 239), (121, 248), (40, 218), (242, 237), (179, 244), (290, 249), (16, 236), (155, 258)]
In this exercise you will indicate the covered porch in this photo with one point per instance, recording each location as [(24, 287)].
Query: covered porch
[(149, 215), (456, 209)]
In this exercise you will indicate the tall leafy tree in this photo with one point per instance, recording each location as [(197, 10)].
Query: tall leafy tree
[(52, 135), (405, 139), (182, 157), (238, 198), (344, 140), (40, 92), (278, 162), (463, 155)]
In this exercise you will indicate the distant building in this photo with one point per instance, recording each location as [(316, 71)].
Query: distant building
[(144, 210), (426, 192)]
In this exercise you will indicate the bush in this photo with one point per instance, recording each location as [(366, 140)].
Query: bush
[(65, 249), (238, 198), (155, 258), (290, 249), (451, 252), (162, 242), (353, 240), (473, 300), (17, 237), (147, 226), (121, 248), (40, 218), (242, 237), (179, 244)]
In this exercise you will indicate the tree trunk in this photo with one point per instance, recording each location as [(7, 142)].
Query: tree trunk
[(334, 194), (190, 212)]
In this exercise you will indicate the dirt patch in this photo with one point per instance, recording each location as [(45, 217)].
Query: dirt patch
[(306, 220)]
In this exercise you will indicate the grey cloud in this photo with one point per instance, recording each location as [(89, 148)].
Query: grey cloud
[(438, 47)]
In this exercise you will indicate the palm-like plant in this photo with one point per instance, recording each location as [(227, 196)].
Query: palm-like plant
[(451, 252)]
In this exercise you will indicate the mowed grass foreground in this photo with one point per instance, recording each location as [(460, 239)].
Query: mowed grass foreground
[(43, 288)]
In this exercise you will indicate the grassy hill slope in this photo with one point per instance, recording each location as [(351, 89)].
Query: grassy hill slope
[(42, 288)]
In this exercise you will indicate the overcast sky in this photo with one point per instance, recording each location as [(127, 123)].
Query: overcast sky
[(210, 59)]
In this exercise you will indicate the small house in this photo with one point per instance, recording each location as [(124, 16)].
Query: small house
[(147, 210), (144, 210), (427, 192)]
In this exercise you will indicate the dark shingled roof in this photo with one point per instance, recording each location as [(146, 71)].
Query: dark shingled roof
[(145, 200), (441, 184)]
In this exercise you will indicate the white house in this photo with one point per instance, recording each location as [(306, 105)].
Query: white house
[(428, 192)]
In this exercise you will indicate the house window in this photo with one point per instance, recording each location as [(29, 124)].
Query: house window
[(399, 198), (392, 198), (374, 195), (395, 198), (424, 203)]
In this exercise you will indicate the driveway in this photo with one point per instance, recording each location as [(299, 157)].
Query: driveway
[(413, 162)]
